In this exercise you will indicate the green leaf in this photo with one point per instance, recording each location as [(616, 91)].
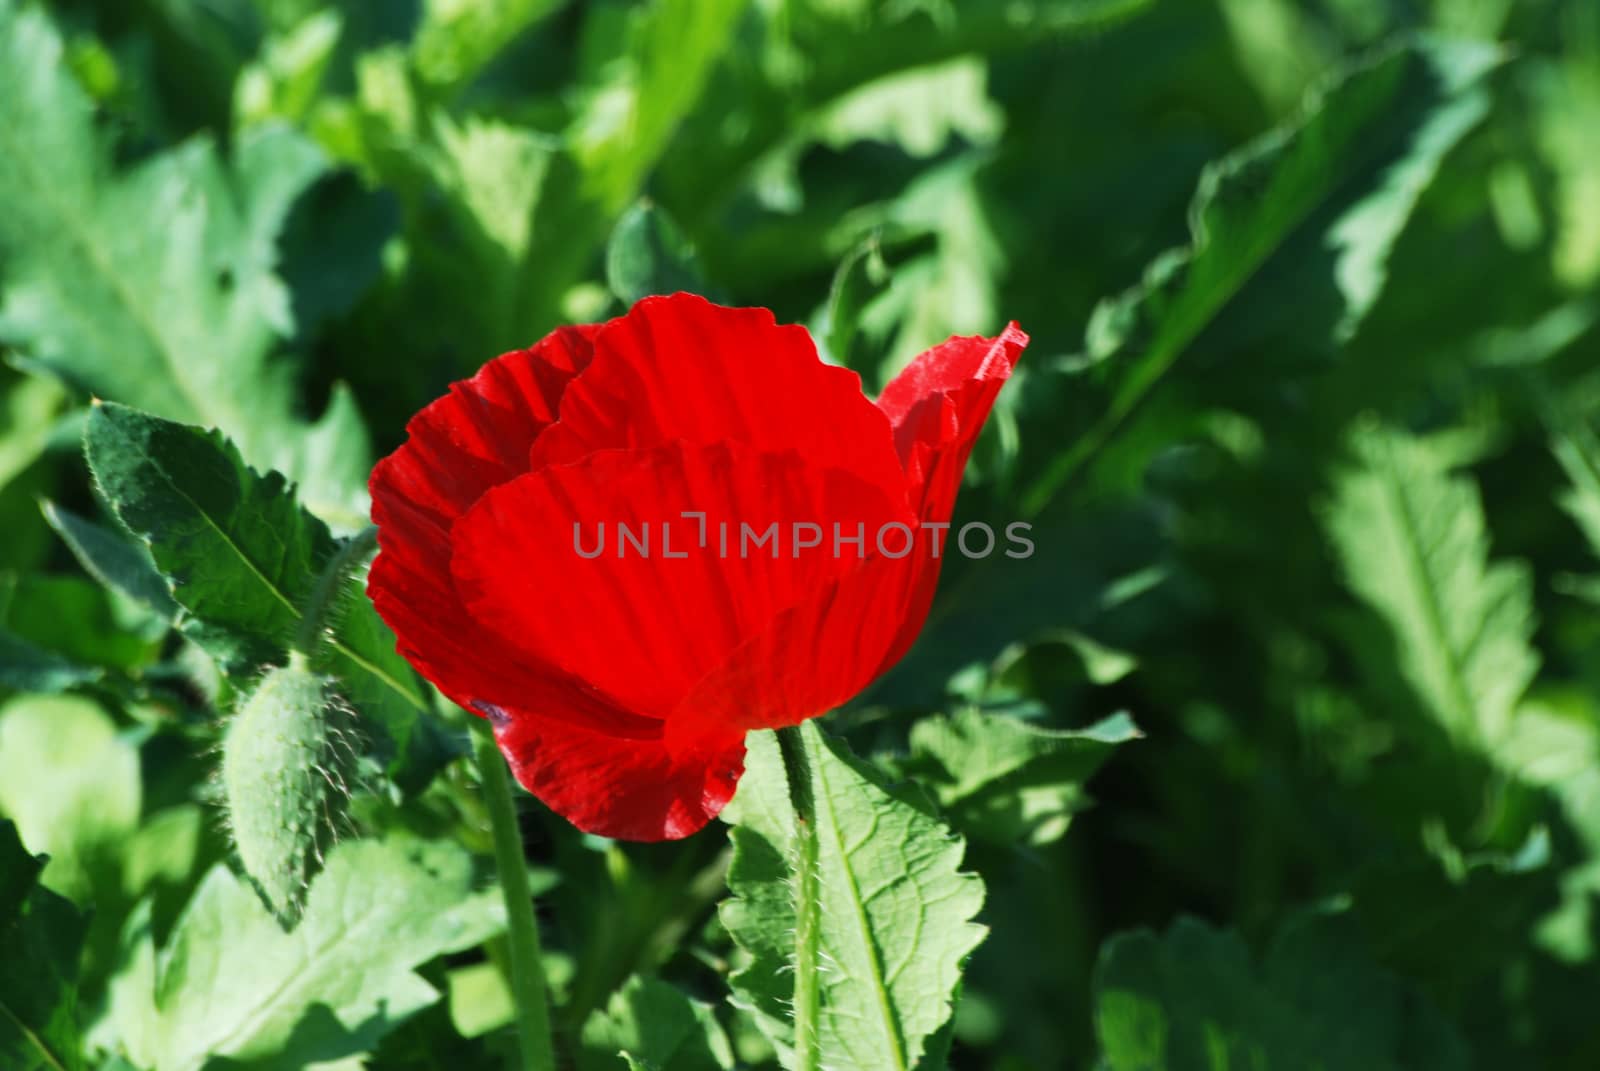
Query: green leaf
[(1310, 209), (648, 254), (230, 982), (657, 61), (242, 559), (284, 81), (814, 55), (1412, 539), (855, 924), (238, 552), (1577, 448), (456, 39), (43, 937), (153, 286), (27, 413), (670, 49), (1565, 100), (77, 619), (72, 785), (920, 110), (1006, 781), (650, 1024), (861, 276), (1193, 999), (111, 559), (28, 667)]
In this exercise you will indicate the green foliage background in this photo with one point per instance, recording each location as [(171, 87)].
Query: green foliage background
[(1309, 433)]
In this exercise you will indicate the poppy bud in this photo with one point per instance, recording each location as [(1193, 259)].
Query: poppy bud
[(282, 762)]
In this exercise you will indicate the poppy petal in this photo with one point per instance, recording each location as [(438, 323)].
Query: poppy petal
[(473, 438), (627, 787), (810, 659), (937, 405), (543, 562), (680, 367)]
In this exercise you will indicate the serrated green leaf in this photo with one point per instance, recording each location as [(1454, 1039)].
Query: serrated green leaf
[(111, 559), (1004, 780), (649, 1023), (230, 982), (1413, 542), (239, 554), (242, 559), (1312, 208), (855, 925), (1193, 999), (42, 935), (152, 286)]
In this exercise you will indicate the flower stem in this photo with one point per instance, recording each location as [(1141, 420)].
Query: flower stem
[(807, 909), (527, 963)]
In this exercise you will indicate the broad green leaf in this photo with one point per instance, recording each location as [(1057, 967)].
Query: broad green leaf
[(71, 783), (153, 286), (112, 559), (242, 558), (1411, 535), (651, 1024), (1310, 209), (648, 254), (856, 924), (1194, 999), (1006, 781), (230, 982), (42, 935)]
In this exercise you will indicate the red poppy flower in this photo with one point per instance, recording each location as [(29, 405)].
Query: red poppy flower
[(621, 683)]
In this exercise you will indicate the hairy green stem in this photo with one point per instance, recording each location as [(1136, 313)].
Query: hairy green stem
[(527, 962), (807, 911), (314, 615)]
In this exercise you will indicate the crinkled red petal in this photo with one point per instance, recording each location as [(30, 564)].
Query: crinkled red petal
[(632, 788), (543, 562), (937, 406), (679, 367)]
